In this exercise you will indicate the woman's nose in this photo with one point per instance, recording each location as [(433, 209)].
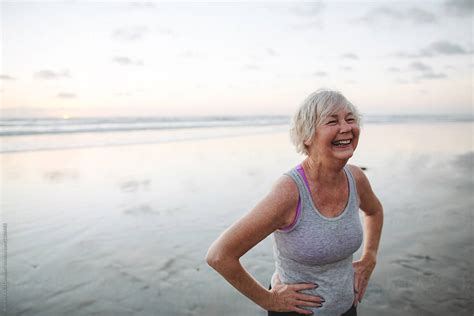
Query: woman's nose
[(345, 127)]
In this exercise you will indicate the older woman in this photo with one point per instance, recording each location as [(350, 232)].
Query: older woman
[(313, 213)]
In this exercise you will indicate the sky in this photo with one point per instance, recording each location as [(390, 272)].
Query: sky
[(110, 58)]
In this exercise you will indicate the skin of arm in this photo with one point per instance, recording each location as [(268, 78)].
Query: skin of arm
[(273, 212), (373, 222)]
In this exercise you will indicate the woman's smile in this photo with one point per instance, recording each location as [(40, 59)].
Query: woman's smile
[(343, 143)]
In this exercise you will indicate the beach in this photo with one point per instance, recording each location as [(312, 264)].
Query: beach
[(123, 229)]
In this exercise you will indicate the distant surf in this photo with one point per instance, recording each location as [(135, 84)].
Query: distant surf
[(37, 126), (33, 134)]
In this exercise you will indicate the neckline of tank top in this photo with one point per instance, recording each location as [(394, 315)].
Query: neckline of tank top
[(315, 209)]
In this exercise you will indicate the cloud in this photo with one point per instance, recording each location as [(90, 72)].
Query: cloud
[(122, 94), (393, 69), (419, 66), (191, 54), (271, 52), (143, 4), (252, 67), (131, 33), (425, 71), (459, 8), (309, 15), (51, 75), (430, 75), (420, 16), (127, 61), (350, 56), (165, 31), (6, 77), (308, 9), (438, 48), (444, 48), (413, 15), (66, 95), (320, 74)]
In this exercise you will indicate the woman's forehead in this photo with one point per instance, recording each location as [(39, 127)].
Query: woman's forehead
[(341, 110)]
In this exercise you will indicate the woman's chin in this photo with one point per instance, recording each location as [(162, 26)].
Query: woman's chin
[(343, 153)]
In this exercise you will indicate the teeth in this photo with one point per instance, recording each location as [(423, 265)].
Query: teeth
[(343, 142)]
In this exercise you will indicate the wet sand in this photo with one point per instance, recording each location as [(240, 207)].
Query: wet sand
[(124, 230)]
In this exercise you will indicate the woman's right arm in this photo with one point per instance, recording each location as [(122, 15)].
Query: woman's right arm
[(275, 211)]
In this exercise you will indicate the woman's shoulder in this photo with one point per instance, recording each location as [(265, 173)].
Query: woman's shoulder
[(286, 189), (284, 197), (355, 170), (362, 182)]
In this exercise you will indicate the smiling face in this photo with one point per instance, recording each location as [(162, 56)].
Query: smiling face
[(336, 136)]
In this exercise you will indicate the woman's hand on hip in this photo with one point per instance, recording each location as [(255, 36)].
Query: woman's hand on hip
[(286, 297), (362, 270)]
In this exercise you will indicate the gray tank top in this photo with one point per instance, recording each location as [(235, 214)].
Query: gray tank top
[(319, 249)]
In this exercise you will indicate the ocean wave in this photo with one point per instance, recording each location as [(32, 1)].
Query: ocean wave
[(38, 126)]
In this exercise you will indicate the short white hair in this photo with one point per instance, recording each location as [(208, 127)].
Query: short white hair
[(312, 111)]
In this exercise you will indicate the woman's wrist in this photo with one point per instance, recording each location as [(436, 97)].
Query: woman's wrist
[(369, 256), (268, 301)]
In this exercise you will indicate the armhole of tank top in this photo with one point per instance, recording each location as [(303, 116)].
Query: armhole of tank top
[(297, 216)]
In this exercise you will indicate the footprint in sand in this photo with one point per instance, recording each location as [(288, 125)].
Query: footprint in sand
[(418, 263), (135, 185), (143, 209)]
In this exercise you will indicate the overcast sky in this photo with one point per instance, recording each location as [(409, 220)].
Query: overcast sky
[(243, 58)]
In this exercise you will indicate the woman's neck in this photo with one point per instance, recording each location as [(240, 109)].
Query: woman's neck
[(323, 171)]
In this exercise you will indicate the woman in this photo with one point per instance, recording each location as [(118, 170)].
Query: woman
[(312, 212)]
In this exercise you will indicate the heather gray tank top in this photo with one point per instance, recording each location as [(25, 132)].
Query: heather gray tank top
[(319, 249)]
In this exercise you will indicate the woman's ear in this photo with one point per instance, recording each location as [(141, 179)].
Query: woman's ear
[(308, 142)]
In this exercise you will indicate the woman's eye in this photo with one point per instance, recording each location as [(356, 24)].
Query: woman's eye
[(331, 122), (350, 120)]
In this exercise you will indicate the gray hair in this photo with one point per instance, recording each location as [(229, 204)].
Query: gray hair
[(312, 111)]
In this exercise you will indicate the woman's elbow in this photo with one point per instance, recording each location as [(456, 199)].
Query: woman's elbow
[(214, 257)]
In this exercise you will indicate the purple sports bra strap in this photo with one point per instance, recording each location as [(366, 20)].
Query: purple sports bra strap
[(300, 170)]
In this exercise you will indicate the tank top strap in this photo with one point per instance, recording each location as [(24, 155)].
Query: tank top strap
[(353, 196), (300, 183)]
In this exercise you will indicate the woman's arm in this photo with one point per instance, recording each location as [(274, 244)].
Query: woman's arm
[(276, 210), (373, 222)]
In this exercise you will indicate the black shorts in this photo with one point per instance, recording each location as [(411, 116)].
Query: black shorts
[(351, 312)]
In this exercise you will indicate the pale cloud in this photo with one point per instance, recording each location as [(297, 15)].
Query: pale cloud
[(320, 74), (143, 5), (6, 77), (126, 61), (444, 48), (393, 69), (191, 54), (308, 9), (252, 67), (271, 52), (131, 33), (122, 94), (419, 66), (350, 56), (165, 31), (437, 48), (309, 15), (459, 8), (51, 75), (432, 75), (413, 15), (425, 71), (66, 95)]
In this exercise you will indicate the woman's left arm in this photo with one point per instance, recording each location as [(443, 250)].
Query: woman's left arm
[(373, 221)]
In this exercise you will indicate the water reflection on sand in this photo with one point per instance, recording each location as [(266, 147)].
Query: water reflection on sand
[(124, 230)]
